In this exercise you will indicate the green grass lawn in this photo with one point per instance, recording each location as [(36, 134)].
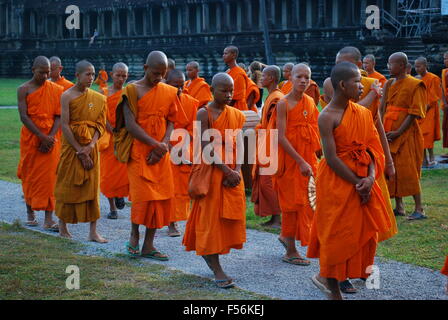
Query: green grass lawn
[(32, 266)]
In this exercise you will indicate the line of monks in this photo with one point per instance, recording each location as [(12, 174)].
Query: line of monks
[(365, 147)]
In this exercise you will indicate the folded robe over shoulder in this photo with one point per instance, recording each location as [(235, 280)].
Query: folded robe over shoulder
[(376, 75), (313, 91), (114, 180), (217, 223), (200, 90), (65, 83), (37, 170), (77, 189), (344, 232), (292, 187), (430, 125), (181, 172), (252, 88), (239, 77), (406, 97)]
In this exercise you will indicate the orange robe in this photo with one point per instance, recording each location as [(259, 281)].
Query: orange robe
[(430, 125), (445, 114), (313, 91), (292, 187), (151, 187), (181, 172), (217, 223), (239, 77), (253, 88), (114, 182), (200, 90), (445, 267), (344, 232), (376, 75), (286, 87), (37, 170), (64, 83), (264, 196), (102, 79), (77, 190), (406, 97)]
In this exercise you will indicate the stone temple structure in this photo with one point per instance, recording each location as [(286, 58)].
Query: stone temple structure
[(299, 31)]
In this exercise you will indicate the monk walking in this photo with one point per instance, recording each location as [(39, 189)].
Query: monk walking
[(150, 109), (217, 222), (299, 142), (181, 171), (114, 182), (369, 64), (55, 73), (101, 81), (39, 109), (83, 121), (196, 86), (405, 103), (430, 125), (264, 196), (286, 85), (345, 240), (239, 77)]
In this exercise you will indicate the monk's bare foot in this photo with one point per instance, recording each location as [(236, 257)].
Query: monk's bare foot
[(327, 287), (65, 234), (31, 219), (296, 259), (97, 238), (173, 231)]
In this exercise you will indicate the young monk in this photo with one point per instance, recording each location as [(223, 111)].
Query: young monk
[(313, 91), (217, 222), (55, 73), (239, 77), (181, 171), (83, 121), (286, 86), (369, 64), (445, 105), (150, 108), (405, 103), (345, 240), (264, 196), (101, 81), (114, 182), (39, 108), (298, 138), (196, 86), (430, 125)]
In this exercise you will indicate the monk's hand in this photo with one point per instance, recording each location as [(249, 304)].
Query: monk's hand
[(232, 179), (46, 143), (392, 135), (86, 161), (305, 169), (389, 171), (376, 86), (364, 188), (85, 151), (157, 153)]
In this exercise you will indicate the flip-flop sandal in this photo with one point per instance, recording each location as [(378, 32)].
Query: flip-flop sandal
[(113, 215), (300, 261), (444, 161), (132, 251), (153, 255), (120, 203), (283, 243), (221, 283), (32, 223), (347, 287), (398, 213), (417, 216), (320, 285), (54, 228), (174, 234)]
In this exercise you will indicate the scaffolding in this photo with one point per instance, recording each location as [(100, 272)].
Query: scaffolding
[(414, 18)]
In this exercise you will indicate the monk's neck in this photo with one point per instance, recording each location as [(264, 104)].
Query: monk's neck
[(81, 88), (340, 100), (117, 88), (232, 64), (297, 95), (423, 74), (217, 106), (372, 72), (401, 76), (192, 79), (36, 83), (56, 79), (272, 87)]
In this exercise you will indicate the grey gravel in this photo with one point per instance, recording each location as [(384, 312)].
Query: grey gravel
[(257, 268)]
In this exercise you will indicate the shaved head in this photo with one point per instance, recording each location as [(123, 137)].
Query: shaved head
[(175, 74), (193, 64), (301, 66), (41, 61), (349, 54), (370, 57), (120, 66), (171, 64), (422, 60), (55, 61), (343, 71), (221, 78), (274, 72), (156, 59), (233, 50), (399, 57), (82, 66), (288, 66)]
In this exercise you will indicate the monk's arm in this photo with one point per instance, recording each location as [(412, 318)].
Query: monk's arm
[(390, 169), (250, 99), (371, 96), (65, 123), (169, 130), (444, 100), (392, 135), (329, 148), (56, 126)]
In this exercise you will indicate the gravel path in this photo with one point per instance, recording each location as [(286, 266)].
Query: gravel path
[(257, 268)]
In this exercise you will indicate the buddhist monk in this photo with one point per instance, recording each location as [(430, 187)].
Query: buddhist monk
[(313, 91), (409, 69), (217, 222), (405, 103), (369, 63), (264, 196), (239, 77), (150, 109), (350, 209), (255, 91), (196, 86), (181, 171), (286, 85), (39, 108), (55, 73), (430, 125), (370, 98), (445, 105), (299, 142), (101, 81), (114, 182), (83, 121)]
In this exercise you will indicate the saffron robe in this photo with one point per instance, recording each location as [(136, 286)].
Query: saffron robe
[(239, 77), (430, 125), (313, 91), (114, 182), (217, 223), (445, 114), (37, 170), (286, 87), (101, 81), (253, 88), (264, 196), (376, 75), (200, 90), (292, 187), (64, 83), (345, 240), (77, 189), (406, 97)]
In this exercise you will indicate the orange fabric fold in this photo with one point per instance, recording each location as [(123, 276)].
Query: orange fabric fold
[(345, 240), (286, 87), (253, 88), (445, 114), (200, 90), (376, 75), (37, 170), (77, 189), (217, 223), (64, 83), (430, 125), (313, 91), (239, 77)]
